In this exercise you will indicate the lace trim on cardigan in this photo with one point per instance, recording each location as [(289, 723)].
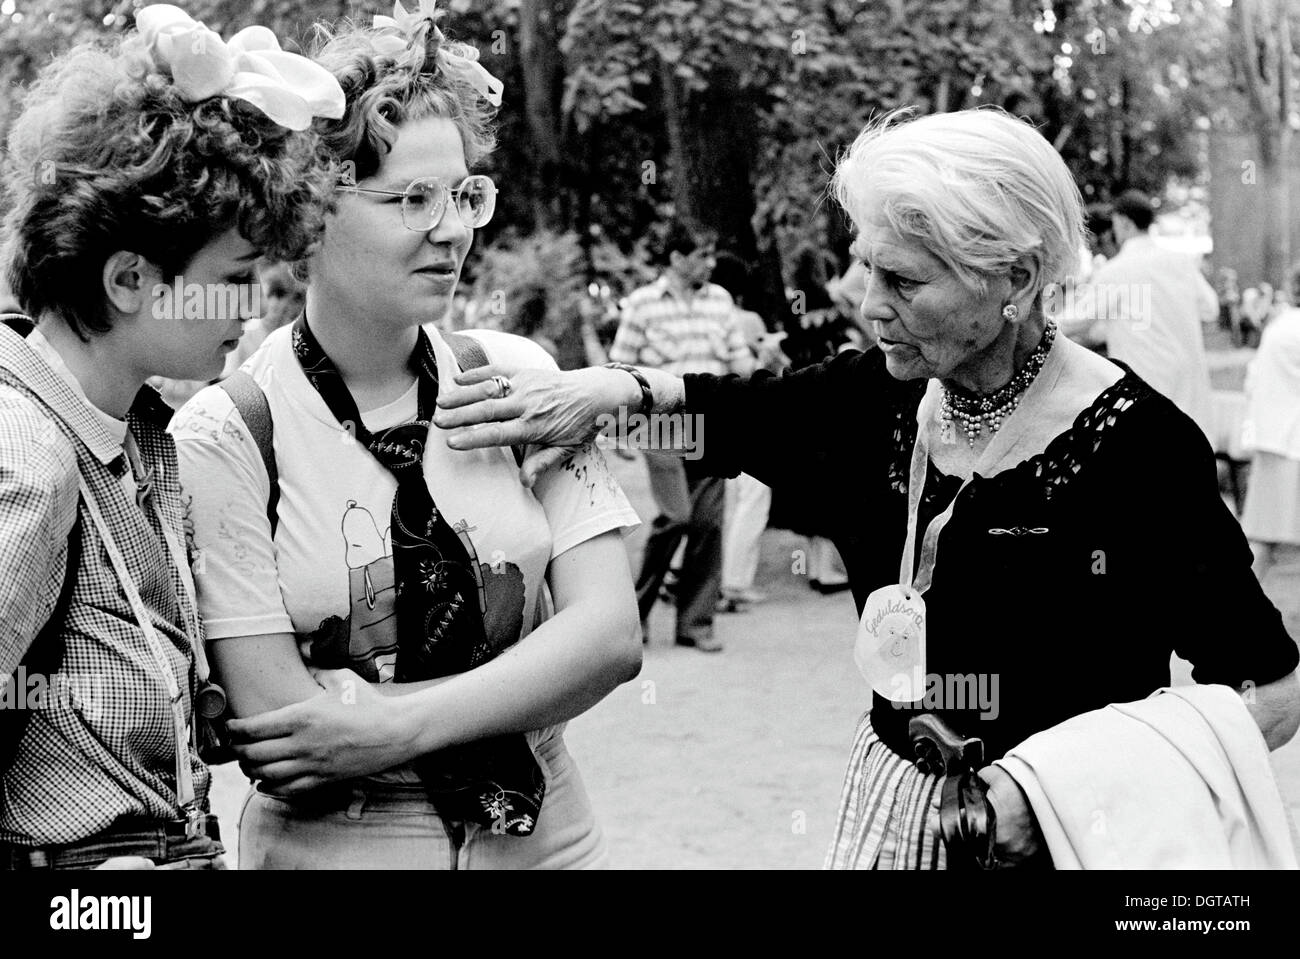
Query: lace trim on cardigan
[(1053, 468)]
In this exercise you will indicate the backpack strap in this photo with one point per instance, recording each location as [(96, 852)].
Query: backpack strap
[(251, 402), (45, 655), (470, 355)]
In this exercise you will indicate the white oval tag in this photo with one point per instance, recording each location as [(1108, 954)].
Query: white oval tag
[(890, 651)]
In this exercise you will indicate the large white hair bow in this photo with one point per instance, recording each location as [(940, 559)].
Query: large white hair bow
[(466, 66), (288, 88)]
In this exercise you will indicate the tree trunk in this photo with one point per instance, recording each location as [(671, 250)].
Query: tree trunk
[(1272, 177), (725, 139), (1126, 133), (539, 55), (1262, 48), (680, 157), (1277, 246)]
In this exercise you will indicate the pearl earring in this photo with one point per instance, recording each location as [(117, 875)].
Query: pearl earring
[(1010, 312)]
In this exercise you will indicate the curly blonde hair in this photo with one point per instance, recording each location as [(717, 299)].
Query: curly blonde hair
[(385, 90), (106, 156)]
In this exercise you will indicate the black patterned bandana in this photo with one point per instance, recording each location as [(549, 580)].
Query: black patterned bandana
[(494, 782)]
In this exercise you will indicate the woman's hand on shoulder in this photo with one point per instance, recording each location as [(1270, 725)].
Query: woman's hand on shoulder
[(551, 408)]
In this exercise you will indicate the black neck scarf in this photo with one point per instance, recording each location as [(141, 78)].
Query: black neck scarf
[(494, 782)]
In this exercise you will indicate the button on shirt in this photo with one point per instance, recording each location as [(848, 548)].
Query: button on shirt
[(666, 331)]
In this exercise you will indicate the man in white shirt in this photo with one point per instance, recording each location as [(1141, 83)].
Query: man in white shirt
[(1147, 304)]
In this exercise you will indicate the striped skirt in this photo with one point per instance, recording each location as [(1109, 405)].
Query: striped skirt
[(889, 810)]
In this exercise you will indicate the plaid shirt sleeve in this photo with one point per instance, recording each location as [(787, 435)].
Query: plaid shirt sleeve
[(630, 339), (38, 506)]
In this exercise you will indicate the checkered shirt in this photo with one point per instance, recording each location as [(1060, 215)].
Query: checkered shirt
[(101, 747), (661, 330)]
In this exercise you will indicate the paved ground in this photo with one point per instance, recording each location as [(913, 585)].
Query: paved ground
[(733, 759)]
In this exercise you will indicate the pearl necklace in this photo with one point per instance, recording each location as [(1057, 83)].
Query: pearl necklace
[(977, 412)]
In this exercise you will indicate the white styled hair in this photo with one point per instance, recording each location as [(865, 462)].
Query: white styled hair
[(978, 188)]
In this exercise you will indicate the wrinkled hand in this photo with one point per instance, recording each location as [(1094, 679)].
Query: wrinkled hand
[(348, 730), (1018, 837), (554, 409)]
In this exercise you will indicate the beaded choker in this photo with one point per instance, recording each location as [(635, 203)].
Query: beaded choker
[(976, 412)]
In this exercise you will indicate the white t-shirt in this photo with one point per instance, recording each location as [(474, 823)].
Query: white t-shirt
[(328, 574)]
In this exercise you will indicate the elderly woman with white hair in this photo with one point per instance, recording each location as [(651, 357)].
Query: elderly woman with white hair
[(1075, 510)]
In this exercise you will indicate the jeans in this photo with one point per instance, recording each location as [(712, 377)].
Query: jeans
[(146, 840), (690, 505), (365, 824)]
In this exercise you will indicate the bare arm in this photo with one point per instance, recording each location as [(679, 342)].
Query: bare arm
[(560, 670), (261, 673), (566, 666)]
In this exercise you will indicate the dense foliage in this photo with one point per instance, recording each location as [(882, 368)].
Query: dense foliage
[(622, 115)]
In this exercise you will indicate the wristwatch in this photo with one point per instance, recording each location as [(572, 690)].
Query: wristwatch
[(647, 397)]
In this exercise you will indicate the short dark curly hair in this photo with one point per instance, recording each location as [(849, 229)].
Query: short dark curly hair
[(387, 89), (106, 156)]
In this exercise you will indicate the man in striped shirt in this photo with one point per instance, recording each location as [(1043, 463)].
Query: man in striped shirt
[(681, 323)]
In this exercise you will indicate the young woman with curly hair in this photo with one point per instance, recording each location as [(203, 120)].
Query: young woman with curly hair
[(407, 580), (165, 161)]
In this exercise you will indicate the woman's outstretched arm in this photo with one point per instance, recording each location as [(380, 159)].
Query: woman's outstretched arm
[(764, 425)]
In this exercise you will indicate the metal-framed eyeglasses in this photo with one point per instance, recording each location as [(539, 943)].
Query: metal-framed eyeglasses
[(425, 201)]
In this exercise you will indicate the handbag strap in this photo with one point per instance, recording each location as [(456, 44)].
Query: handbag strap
[(251, 402), (184, 775)]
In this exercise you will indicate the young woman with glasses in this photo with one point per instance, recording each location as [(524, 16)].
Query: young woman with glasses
[(390, 609)]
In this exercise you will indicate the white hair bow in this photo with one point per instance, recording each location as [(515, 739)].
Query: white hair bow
[(288, 88), (465, 66)]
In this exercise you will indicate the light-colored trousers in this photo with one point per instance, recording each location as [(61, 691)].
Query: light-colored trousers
[(370, 825), (748, 502)]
